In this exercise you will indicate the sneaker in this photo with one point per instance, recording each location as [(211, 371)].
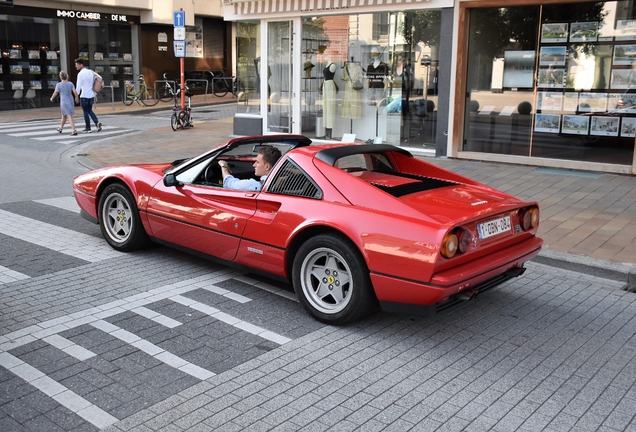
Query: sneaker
[(99, 127), (87, 131)]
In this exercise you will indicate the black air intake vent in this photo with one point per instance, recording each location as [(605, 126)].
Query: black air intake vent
[(423, 184)]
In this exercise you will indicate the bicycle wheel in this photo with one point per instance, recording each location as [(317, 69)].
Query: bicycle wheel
[(150, 97), (126, 98), (165, 94), (219, 88), (174, 121)]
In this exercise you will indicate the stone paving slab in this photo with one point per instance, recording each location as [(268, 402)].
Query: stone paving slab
[(553, 350)]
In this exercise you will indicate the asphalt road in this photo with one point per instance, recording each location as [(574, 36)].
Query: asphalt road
[(94, 339)]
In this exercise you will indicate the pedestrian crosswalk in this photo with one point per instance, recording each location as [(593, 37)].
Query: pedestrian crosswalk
[(114, 352), (45, 130)]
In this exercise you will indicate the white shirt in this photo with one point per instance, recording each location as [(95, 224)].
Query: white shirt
[(231, 182), (84, 86)]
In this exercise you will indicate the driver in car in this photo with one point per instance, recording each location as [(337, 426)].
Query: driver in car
[(265, 160)]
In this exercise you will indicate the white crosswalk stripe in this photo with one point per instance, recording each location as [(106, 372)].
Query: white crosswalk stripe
[(65, 241), (45, 130)]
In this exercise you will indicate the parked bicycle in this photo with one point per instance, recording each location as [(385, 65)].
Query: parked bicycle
[(181, 117), (223, 84), (166, 93), (145, 95)]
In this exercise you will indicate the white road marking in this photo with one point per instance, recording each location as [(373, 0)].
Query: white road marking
[(57, 391), (7, 275), (65, 203), (50, 236)]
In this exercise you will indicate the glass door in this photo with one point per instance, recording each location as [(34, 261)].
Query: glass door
[(280, 74)]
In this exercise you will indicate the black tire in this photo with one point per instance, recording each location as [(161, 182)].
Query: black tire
[(165, 95), (219, 89), (119, 219), (174, 121), (125, 99), (150, 97), (343, 292)]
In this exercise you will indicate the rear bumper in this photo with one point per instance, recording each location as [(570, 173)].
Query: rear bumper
[(429, 310), (460, 281)]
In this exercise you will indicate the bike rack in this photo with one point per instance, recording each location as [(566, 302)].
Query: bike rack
[(200, 80), (173, 82)]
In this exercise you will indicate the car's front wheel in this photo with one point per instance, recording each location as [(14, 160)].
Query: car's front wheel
[(331, 280), (119, 219)]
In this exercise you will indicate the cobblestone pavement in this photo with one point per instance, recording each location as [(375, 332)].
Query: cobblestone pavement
[(92, 339)]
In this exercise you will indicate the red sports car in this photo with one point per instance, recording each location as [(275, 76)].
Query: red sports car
[(352, 226)]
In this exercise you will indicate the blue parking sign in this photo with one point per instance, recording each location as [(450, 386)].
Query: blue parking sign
[(179, 18)]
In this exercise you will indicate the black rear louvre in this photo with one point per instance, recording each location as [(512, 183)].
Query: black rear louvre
[(291, 180), (422, 184)]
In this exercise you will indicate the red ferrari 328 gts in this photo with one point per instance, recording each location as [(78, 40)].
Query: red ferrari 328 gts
[(352, 226)]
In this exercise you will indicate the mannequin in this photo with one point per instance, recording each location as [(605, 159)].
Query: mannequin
[(377, 72), (329, 96)]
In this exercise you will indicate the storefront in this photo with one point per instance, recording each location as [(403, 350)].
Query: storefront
[(547, 83), (38, 43), (329, 70)]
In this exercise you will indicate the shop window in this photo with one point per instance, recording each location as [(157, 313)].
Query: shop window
[(371, 77), (107, 49), (30, 62), (249, 66), (553, 81)]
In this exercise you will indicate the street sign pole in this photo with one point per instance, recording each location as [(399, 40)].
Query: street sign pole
[(179, 48)]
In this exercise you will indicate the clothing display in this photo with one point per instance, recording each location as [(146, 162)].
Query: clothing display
[(352, 98), (329, 95)]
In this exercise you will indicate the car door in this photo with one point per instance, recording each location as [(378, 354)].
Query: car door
[(207, 219)]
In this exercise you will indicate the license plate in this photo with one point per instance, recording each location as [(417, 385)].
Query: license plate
[(493, 227)]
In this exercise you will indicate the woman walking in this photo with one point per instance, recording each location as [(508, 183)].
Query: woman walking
[(67, 93)]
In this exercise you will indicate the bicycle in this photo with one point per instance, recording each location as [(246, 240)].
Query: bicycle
[(147, 96), (181, 117), (166, 93), (221, 87)]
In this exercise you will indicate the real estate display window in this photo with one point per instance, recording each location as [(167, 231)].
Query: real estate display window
[(553, 81), (29, 63), (107, 49)]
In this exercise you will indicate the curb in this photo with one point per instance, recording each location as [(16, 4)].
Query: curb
[(621, 272)]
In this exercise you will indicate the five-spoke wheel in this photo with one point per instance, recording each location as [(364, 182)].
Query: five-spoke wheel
[(119, 219), (331, 279)]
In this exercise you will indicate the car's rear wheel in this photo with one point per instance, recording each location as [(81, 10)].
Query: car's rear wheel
[(331, 280), (119, 219)]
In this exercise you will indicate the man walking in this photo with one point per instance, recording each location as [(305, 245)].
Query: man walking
[(85, 94)]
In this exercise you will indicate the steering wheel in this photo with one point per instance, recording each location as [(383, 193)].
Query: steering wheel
[(213, 174)]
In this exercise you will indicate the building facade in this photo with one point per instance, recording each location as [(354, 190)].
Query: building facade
[(546, 83), (117, 39)]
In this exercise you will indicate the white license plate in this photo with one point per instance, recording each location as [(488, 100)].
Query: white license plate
[(493, 227)]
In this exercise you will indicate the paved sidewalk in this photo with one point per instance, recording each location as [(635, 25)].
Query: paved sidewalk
[(588, 220)]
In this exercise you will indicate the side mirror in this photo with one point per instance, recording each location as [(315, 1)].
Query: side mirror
[(171, 180)]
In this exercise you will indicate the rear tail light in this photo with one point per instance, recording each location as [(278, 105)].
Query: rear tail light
[(449, 246), (529, 218), (456, 241), (463, 238)]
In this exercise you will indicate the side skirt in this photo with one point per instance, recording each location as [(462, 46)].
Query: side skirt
[(221, 261)]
